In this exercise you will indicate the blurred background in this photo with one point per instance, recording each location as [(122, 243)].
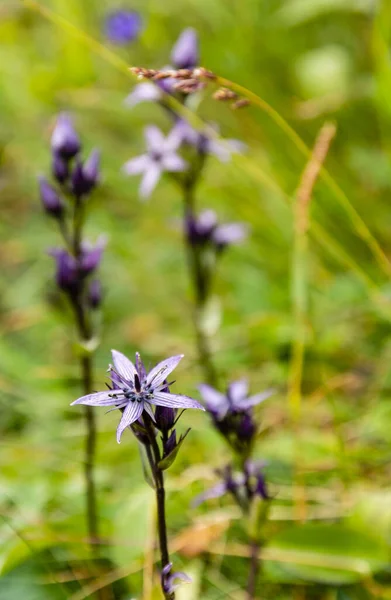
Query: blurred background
[(330, 525)]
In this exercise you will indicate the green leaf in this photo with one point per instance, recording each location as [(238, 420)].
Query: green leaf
[(167, 461), (332, 554)]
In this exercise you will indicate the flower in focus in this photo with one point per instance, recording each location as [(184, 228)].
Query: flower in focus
[(123, 26), (161, 156), (135, 391)]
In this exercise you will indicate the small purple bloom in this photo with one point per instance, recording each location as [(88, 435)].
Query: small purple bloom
[(135, 391), (66, 269), (185, 53), (60, 168), (91, 256), (236, 399), (165, 417), (65, 141), (86, 176), (52, 202), (169, 578), (143, 92), (230, 483), (199, 229), (229, 233), (206, 143), (160, 156), (123, 26)]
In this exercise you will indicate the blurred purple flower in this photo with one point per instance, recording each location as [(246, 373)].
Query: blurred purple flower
[(168, 578), (65, 141), (143, 92), (51, 200), (60, 168), (123, 26), (235, 400), (160, 156), (135, 391), (204, 228), (185, 53), (66, 269), (205, 143), (86, 176), (91, 256)]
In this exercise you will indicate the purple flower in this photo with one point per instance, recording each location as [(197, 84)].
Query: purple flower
[(204, 228), (52, 202), (65, 141), (168, 579), (122, 26), (160, 156), (230, 483), (91, 256), (206, 143), (86, 176), (66, 269), (143, 92), (185, 53), (135, 391), (235, 400), (60, 168)]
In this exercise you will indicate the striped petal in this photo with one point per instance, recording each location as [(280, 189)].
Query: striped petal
[(107, 398), (131, 413), (159, 373), (124, 367), (174, 401)]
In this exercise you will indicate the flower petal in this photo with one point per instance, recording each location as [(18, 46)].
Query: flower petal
[(237, 392), (124, 367), (137, 165), (185, 52), (107, 398), (154, 138), (174, 400), (215, 492), (159, 373), (216, 402), (173, 162), (149, 411), (257, 399), (131, 413), (150, 179), (143, 92), (229, 233)]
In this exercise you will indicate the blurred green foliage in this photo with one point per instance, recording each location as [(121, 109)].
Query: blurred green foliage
[(330, 527)]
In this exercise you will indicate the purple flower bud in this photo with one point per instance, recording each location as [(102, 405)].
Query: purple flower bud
[(185, 53), (51, 201), (91, 256), (85, 177), (170, 444), (123, 26), (199, 229), (95, 294), (60, 168), (165, 418), (66, 270), (65, 140)]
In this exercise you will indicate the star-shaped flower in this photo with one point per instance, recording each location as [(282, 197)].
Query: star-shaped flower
[(160, 156), (135, 391), (236, 399)]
